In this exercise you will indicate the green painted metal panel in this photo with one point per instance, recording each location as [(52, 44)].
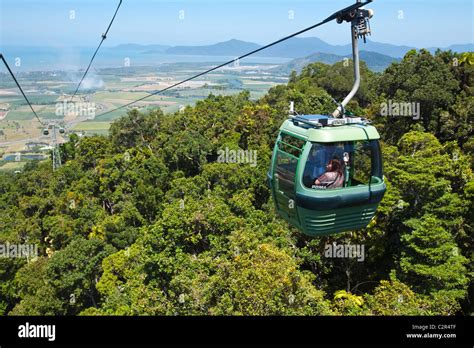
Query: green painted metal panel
[(316, 223)]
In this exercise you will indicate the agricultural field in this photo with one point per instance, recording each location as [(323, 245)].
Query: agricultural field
[(107, 89)]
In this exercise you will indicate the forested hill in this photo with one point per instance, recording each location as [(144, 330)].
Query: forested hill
[(147, 221)]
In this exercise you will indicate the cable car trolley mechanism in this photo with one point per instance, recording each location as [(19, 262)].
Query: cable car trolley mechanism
[(326, 170)]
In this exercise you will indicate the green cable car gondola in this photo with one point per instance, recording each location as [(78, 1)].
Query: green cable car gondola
[(326, 171), (303, 150)]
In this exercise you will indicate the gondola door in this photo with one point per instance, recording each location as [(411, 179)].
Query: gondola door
[(286, 160)]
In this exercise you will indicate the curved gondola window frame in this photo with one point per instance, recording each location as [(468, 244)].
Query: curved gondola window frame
[(376, 165)]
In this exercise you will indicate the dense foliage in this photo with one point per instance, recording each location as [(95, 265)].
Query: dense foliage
[(146, 221)]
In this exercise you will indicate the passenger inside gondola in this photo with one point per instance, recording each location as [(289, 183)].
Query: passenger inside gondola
[(332, 178)]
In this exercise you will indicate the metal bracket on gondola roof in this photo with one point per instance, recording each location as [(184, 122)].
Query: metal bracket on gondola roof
[(321, 121)]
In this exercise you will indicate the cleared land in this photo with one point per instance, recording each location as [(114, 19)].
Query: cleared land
[(114, 87)]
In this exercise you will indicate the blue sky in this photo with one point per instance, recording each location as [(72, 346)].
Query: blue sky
[(419, 23)]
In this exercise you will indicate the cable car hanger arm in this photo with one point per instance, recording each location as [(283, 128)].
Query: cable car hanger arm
[(360, 28)]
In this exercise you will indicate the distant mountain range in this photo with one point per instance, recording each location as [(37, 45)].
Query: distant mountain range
[(302, 51), (375, 61), (136, 47), (293, 48), (227, 48)]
